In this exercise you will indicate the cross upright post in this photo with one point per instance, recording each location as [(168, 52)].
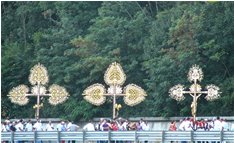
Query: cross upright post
[(38, 78), (195, 75), (114, 77)]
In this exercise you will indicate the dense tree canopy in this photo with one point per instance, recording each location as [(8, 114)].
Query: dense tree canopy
[(155, 42)]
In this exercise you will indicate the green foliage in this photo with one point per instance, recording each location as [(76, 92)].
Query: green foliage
[(155, 42)]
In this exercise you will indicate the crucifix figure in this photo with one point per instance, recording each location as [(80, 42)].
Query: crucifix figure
[(38, 78), (195, 75), (114, 77)]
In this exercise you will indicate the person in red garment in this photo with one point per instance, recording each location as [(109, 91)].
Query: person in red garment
[(172, 126)]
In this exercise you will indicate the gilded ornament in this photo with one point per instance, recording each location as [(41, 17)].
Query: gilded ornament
[(94, 94), (114, 75), (38, 75), (18, 95), (133, 94)]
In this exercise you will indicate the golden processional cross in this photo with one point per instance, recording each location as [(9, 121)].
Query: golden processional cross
[(114, 77), (195, 74), (38, 78)]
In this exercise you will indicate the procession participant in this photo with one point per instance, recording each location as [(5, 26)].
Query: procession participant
[(49, 126), (29, 126), (172, 126), (37, 126), (89, 126)]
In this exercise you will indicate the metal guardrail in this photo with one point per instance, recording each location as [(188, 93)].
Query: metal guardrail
[(134, 136)]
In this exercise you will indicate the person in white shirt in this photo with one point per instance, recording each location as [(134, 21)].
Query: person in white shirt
[(7, 126), (19, 126), (37, 126), (217, 125), (69, 126), (145, 126), (49, 127), (224, 125), (61, 126), (3, 127), (188, 125), (182, 125), (142, 124), (89, 127), (29, 126), (124, 125)]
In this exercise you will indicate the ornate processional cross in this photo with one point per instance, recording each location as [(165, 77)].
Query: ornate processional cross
[(195, 74), (38, 78), (114, 77)]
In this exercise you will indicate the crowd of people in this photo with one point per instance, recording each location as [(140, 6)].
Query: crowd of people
[(186, 124), (189, 124), (21, 125), (103, 125), (117, 125)]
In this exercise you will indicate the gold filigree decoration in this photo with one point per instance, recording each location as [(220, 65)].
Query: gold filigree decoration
[(195, 73), (133, 94), (212, 92), (176, 92), (38, 75), (58, 94), (114, 75), (94, 94), (18, 95)]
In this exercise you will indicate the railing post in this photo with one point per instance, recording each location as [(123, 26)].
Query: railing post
[(221, 136), (191, 134), (83, 136), (163, 136), (35, 136), (12, 136), (109, 136), (58, 138), (135, 139)]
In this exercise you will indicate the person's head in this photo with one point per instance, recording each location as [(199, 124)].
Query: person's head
[(7, 123), (7, 120), (104, 121), (101, 120), (218, 117), (141, 120)]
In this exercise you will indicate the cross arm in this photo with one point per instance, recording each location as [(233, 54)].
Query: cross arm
[(199, 92), (37, 95), (113, 94)]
